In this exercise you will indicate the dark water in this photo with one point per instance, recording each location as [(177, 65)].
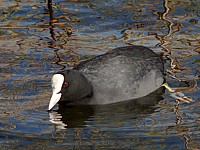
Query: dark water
[(36, 41)]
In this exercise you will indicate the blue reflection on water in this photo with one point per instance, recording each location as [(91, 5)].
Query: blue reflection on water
[(28, 61)]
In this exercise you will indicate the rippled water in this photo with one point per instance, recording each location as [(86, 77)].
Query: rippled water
[(36, 41)]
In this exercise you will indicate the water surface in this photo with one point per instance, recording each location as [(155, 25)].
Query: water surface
[(36, 41)]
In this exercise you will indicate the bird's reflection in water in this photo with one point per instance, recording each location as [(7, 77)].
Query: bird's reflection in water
[(72, 116)]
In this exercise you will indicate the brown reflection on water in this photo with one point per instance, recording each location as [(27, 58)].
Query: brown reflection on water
[(178, 49), (37, 40), (174, 52)]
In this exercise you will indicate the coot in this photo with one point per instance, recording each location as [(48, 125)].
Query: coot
[(121, 74)]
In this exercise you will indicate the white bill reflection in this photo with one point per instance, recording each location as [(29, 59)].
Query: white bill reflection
[(55, 118)]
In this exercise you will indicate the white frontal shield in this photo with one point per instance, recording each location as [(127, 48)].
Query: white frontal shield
[(56, 83)]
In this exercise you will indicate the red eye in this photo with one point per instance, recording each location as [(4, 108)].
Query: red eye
[(66, 84)]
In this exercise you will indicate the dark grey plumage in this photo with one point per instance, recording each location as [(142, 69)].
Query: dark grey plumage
[(121, 74)]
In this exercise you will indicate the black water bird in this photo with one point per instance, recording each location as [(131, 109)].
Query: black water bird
[(121, 74)]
